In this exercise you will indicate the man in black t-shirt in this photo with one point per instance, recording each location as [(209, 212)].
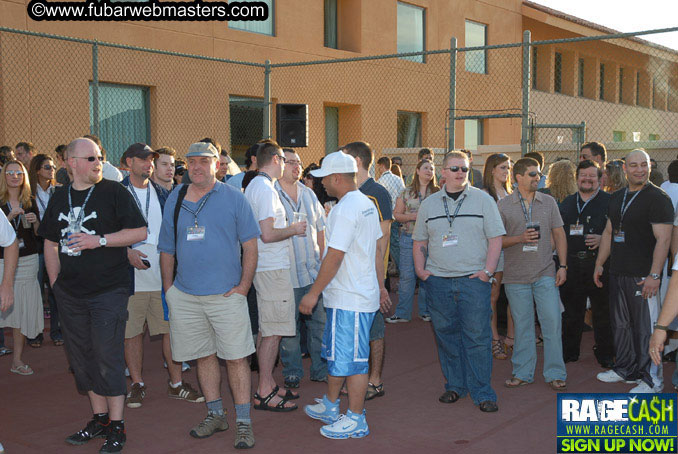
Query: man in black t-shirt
[(636, 238), (363, 154), (87, 227), (585, 216)]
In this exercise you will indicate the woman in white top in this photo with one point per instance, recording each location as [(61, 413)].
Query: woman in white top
[(497, 183), (41, 174)]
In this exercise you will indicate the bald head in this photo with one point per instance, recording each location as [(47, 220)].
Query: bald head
[(637, 168), (638, 155), (78, 145)]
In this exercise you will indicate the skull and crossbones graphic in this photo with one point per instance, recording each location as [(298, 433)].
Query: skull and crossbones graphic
[(72, 220)]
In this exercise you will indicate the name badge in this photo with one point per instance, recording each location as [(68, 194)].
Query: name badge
[(576, 229), (531, 247), (450, 240), (195, 233), (618, 236), (21, 244)]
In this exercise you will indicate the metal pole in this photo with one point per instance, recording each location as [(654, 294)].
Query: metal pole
[(95, 89), (453, 94), (266, 133), (525, 137)]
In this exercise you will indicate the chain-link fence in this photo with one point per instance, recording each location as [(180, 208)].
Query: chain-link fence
[(536, 95)]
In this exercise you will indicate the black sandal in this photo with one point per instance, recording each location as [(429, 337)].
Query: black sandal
[(279, 407)]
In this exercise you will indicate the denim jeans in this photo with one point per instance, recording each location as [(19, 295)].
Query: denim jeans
[(394, 245), (461, 313), (408, 280), (290, 349), (545, 294), (54, 324)]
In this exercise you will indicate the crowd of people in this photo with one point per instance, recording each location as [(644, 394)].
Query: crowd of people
[(279, 261)]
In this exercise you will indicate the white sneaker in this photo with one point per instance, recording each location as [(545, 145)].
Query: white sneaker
[(644, 388), (395, 319), (126, 375), (610, 376), (2, 450)]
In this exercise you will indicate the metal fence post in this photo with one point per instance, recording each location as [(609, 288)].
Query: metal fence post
[(525, 137), (267, 101), (451, 112), (95, 89)]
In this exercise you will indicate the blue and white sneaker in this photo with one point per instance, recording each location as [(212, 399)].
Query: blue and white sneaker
[(324, 410), (350, 425)]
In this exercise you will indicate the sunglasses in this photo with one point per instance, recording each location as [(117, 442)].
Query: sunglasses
[(15, 172), (49, 167), (90, 158), (457, 169), (534, 174)]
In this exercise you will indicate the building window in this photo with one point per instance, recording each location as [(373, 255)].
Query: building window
[(411, 31), (581, 77), (409, 129), (123, 117), (331, 129), (534, 68), (558, 73), (602, 82), (618, 136), (654, 137), (473, 134), (265, 27), (247, 124), (331, 24), (476, 35), (621, 85)]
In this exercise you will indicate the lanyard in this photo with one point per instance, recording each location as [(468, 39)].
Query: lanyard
[(625, 206), (456, 211), (195, 213), (295, 206), (522, 204), (580, 210), (136, 199), (265, 175), (49, 193), (15, 221), (78, 221)]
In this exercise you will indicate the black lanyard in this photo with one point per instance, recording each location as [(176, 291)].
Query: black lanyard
[(49, 196), (78, 221), (136, 199), (265, 175), (625, 206), (580, 210), (450, 220), (15, 221), (295, 206), (522, 204), (195, 213)]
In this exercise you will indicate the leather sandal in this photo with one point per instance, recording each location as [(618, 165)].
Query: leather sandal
[(449, 397), (374, 391), (498, 349), (558, 385), (279, 407), (515, 382)]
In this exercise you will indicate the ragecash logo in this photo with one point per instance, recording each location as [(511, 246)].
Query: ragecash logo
[(617, 423)]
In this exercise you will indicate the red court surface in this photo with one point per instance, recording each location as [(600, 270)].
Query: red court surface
[(37, 412)]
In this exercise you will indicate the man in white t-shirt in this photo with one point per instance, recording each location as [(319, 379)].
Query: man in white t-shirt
[(272, 281), (146, 305), (350, 288)]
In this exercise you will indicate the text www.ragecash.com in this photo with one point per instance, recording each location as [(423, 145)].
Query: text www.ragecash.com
[(106, 10)]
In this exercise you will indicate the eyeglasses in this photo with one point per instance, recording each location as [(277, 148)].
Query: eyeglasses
[(15, 172), (90, 158), (534, 174), (614, 164), (457, 169), (282, 156), (49, 167), (294, 163)]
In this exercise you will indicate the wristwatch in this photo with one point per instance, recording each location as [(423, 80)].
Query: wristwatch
[(564, 267), (655, 276), (665, 328), (490, 276), (102, 241)]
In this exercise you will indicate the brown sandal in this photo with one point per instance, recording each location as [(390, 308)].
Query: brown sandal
[(558, 385), (515, 382), (498, 349)]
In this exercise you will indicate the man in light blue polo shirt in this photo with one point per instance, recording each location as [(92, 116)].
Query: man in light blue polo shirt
[(305, 256), (207, 297)]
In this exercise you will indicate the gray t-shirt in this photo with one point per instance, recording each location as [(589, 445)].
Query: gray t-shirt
[(476, 221), (522, 267)]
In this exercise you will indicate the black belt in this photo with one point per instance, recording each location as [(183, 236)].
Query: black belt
[(584, 255)]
